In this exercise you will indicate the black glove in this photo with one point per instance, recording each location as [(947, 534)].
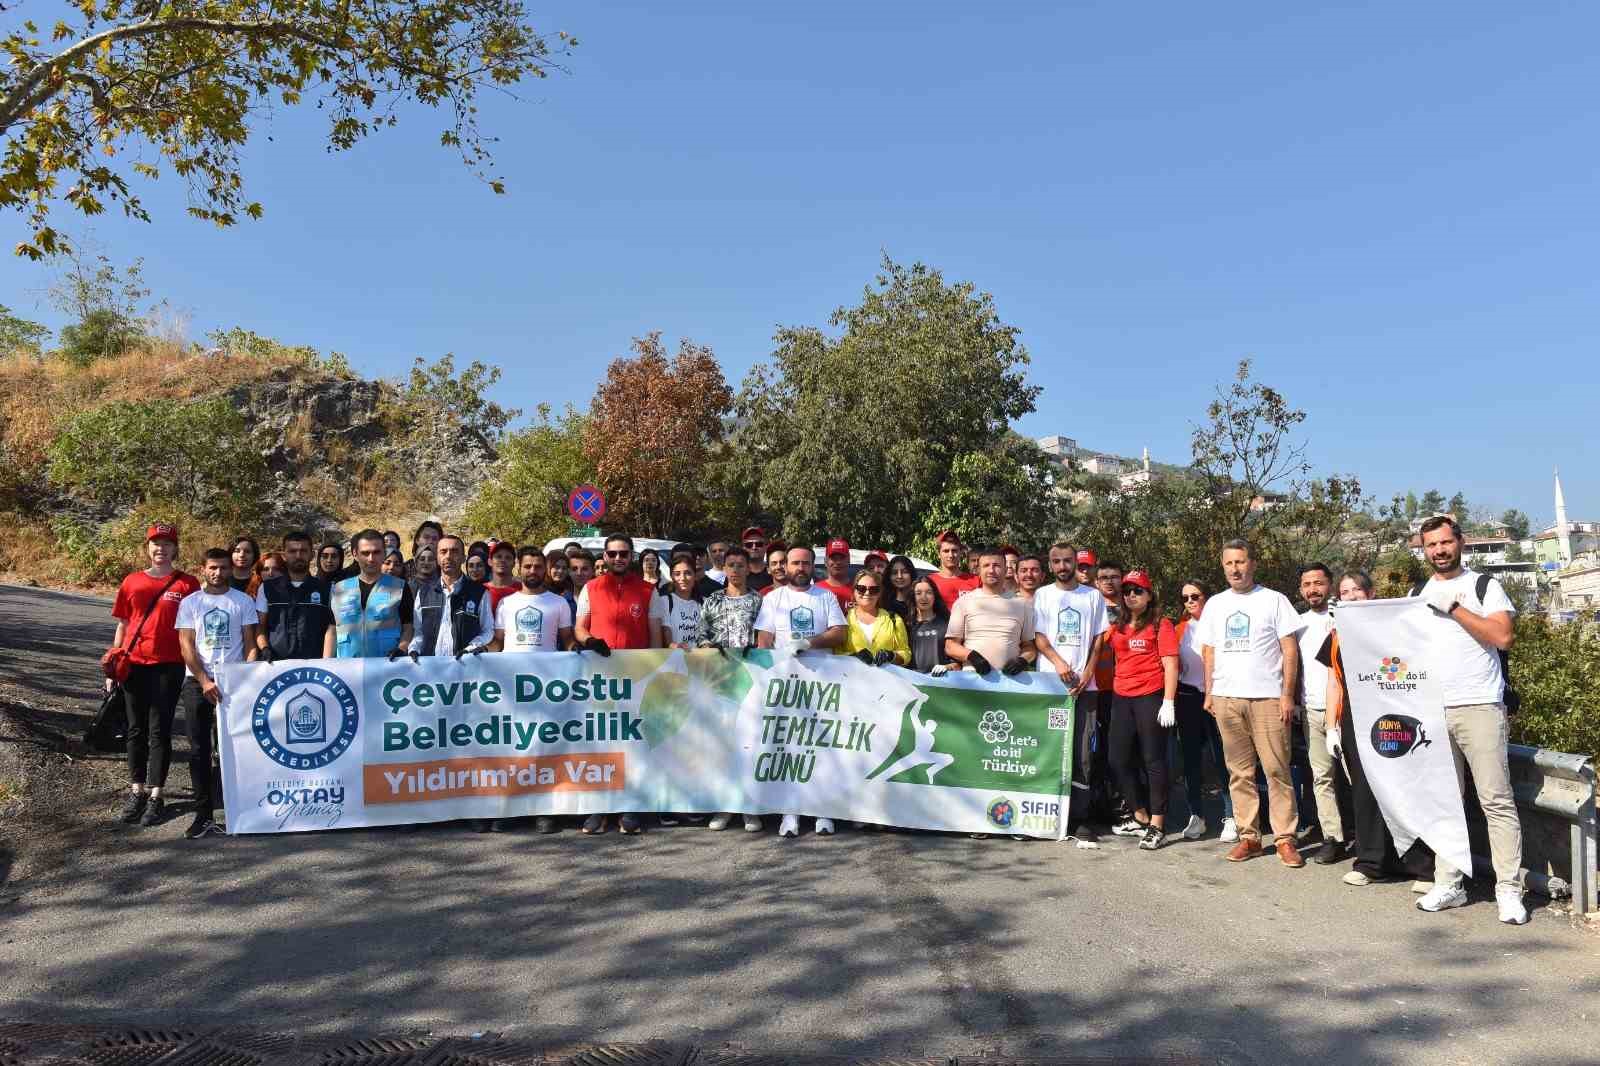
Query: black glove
[(744, 652), (398, 651), (1015, 666), (416, 658), (598, 646), (865, 656), (883, 658), (264, 655), (978, 663)]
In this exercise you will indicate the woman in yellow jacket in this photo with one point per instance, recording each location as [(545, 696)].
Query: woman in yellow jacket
[(872, 634)]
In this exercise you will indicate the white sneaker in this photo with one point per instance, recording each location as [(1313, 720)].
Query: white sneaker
[(1509, 900), (824, 827), (1356, 879), (789, 827), (1128, 827), (1442, 898), (753, 823), (1195, 829), (1230, 831), (720, 822)]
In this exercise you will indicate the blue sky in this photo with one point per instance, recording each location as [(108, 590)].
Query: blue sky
[(1389, 208)]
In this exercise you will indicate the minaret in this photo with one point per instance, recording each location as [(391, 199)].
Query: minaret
[(1563, 536), (1147, 463)]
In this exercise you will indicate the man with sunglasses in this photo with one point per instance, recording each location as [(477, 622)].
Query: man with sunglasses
[(1070, 624), (754, 542), (617, 610)]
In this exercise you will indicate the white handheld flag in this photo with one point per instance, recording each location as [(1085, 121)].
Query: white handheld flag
[(1396, 715)]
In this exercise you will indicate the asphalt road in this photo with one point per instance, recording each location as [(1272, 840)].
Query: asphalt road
[(883, 944)]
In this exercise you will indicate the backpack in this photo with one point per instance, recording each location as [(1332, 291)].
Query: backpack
[(1509, 697)]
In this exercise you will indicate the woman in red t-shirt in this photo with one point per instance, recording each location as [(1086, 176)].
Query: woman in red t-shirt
[(1142, 708), (155, 673)]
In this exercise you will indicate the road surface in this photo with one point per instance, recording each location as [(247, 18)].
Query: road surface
[(907, 945)]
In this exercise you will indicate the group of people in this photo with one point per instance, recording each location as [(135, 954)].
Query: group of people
[(1237, 678)]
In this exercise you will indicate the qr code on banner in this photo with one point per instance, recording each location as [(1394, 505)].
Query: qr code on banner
[(1060, 719)]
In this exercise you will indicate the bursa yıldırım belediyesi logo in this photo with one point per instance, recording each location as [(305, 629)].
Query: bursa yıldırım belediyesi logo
[(305, 718)]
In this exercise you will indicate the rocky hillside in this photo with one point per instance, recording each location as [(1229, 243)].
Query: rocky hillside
[(243, 441)]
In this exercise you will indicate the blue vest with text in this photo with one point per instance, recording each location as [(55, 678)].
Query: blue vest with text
[(373, 631)]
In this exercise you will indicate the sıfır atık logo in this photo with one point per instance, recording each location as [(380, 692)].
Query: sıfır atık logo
[(1002, 812), (305, 718)]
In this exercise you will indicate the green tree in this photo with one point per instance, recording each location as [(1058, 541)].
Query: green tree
[(1413, 506), (1516, 524), (1432, 503), (1003, 495), (200, 456), (104, 303), (858, 434), (436, 395), (1458, 507), (524, 498), (20, 335), (181, 86), (1556, 671)]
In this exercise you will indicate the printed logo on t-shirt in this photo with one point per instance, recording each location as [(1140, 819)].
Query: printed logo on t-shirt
[(530, 625), (472, 607), (316, 597), (214, 627), (1236, 632), (802, 621), (1069, 627)]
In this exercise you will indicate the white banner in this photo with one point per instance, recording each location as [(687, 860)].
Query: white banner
[(352, 742), (1396, 715)]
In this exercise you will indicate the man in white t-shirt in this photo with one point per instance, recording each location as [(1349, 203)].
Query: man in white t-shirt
[(1069, 626), (533, 618), (1247, 639), (1316, 588), (1472, 626), (216, 625), (799, 617)]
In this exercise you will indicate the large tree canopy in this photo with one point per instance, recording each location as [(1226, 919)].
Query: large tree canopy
[(179, 84), (859, 434)]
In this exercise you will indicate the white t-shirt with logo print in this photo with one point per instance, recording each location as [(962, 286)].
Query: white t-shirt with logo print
[(1468, 670), (808, 612), (532, 621), (1313, 675), (218, 622), (1070, 619), (1243, 629)]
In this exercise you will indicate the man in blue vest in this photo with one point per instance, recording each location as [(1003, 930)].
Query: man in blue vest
[(371, 611)]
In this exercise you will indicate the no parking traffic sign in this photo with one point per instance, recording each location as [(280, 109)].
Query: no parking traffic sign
[(586, 505)]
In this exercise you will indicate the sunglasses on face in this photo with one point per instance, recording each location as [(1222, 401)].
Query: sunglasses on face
[(752, 544), (1133, 590), (866, 590), (1191, 597), (618, 555)]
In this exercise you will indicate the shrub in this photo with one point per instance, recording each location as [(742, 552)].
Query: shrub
[(1556, 671)]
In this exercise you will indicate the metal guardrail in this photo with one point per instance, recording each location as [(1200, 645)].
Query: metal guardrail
[(1560, 785)]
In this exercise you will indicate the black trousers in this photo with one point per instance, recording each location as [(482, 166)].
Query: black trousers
[(152, 702), (1085, 724), (1107, 801), (1375, 852), (1139, 741), (200, 722)]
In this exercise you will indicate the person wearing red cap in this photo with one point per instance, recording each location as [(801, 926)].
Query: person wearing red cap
[(837, 561), (146, 610), (754, 541), (502, 574), (1144, 707), (877, 561), (951, 581)]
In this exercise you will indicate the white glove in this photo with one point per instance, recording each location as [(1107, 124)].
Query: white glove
[(1168, 716), (1335, 742), (939, 671), (799, 644), (1439, 595)]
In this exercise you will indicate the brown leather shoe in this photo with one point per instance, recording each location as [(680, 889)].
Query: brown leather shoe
[(1288, 854), (1247, 848)]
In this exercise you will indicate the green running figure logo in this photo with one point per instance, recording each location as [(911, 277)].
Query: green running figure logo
[(914, 751)]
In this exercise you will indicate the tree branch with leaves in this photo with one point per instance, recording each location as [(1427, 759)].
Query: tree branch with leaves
[(181, 84)]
